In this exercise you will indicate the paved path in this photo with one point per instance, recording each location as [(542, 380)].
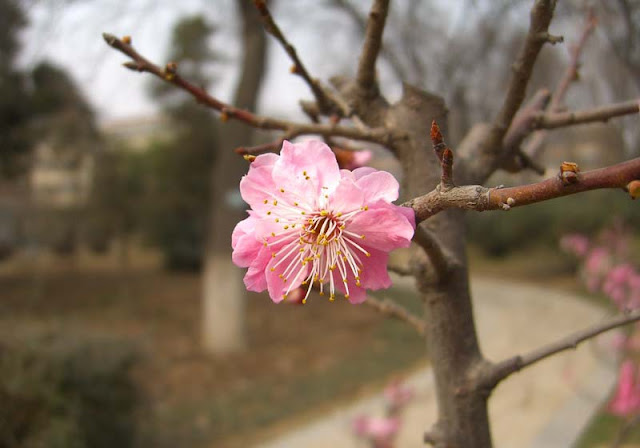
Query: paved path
[(544, 406)]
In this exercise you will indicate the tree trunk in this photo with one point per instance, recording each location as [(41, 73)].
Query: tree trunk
[(450, 332), (223, 290)]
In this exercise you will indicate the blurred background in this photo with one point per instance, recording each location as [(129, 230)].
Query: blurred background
[(106, 195)]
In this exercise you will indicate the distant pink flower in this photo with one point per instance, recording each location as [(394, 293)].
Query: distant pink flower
[(398, 395), (575, 244), (311, 222), (626, 401), (620, 286), (597, 264), (351, 160), (380, 430)]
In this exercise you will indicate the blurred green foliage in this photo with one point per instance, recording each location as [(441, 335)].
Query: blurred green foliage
[(66, 393), (500, 233)]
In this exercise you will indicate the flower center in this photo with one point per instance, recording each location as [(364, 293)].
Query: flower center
[(327, 253)]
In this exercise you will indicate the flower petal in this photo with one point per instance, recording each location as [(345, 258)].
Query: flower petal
[(379, 185)]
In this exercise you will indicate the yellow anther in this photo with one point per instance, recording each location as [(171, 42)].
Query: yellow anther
[(367, 254), (339, 214), (265, 244), (277, 219), (304, 300), (321, 293), (273, 234), (332, 267), (284, 297), (295, 203), (275, 202), (304, 173), (266, 201), (280, 275), (324, 213), (286, 227), (302, 249), (303, 213), (268, 213), (307, 178), (365, 208), (361, 237), (304, 282), (273, 255), (357, 282), (346, 296), (282, 190), (332, 298), (344, 280), (273, 269)]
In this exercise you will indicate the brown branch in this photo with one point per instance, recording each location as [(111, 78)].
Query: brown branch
[(326, 101), (540, 18), (366, 74), (602, 113), (141, 64), (501, 370), (394, 62), (569, 181), (393, 309), (442, 260), (534, 145)]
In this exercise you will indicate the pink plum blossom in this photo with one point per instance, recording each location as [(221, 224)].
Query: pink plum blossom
[(379, 430), (575, 244), (398, 395), (312, 223), (626, 401)]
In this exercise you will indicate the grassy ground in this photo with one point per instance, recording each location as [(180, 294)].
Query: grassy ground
[(301, 358)]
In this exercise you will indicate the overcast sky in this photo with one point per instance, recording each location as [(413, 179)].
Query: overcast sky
[(69, 34)]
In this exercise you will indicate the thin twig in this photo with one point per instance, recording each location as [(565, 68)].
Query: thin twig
[(479, 198), (534, 145), (499, 371), (537, 36), (391, 57), (366, 74), (326, 101), (602, 113), (393, 309), (139, 63)]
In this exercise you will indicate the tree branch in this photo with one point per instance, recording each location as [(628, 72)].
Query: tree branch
[(569, 181), (393, 309), (366, 74), (603, 113), (491, 148), (293, 129), (442, 260), (361, 23), (498, 372), (326, 101)]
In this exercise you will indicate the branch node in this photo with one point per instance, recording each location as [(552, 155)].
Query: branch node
[(569, 173), (633, 188)]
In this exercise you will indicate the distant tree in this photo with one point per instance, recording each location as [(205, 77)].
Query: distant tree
[(177, 203), (14, 105)]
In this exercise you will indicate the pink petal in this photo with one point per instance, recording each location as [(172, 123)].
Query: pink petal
[(276, 284), (379, 185), (386, 227), (311, 157), (245, 245)]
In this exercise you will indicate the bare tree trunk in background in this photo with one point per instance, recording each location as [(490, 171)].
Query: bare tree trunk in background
[(223, 292)]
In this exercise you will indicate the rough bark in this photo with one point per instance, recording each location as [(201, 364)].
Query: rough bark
[(450, 330), (223, 291)]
